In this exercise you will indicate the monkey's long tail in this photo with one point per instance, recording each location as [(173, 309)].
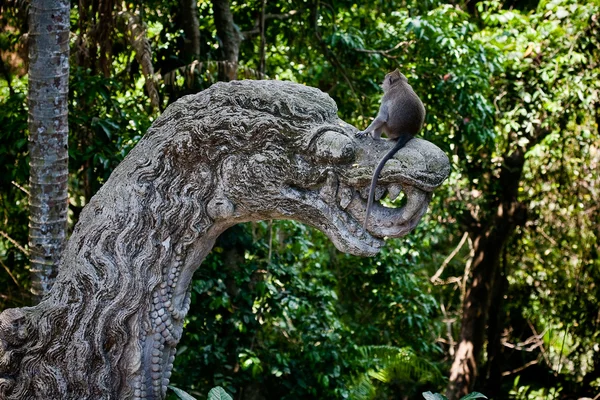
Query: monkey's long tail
[(402, 140)]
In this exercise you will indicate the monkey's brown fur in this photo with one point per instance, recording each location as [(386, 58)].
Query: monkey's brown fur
[(401, 116)]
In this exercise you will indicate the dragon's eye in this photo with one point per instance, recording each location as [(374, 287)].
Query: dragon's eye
[(334, 146)]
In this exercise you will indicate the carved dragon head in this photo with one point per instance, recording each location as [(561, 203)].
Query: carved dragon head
[(277, 150)]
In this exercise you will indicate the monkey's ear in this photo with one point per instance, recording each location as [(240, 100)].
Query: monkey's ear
[(394, 76)]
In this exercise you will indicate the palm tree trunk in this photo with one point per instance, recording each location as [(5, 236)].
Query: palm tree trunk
[(49, 28)]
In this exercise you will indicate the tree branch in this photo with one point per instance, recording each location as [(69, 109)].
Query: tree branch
[(10, 274), (521, 368), (385, 53), (20, 187), (439, 272), (15, 243)]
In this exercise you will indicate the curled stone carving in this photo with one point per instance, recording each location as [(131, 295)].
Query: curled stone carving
[(238, 151)]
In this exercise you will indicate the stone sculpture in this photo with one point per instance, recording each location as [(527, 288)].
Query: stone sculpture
[(238, 151)]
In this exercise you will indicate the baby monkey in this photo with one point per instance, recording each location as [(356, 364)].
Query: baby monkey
[(401, 116)]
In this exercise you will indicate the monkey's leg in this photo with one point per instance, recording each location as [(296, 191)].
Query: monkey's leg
[(376, 127), (378, 123)]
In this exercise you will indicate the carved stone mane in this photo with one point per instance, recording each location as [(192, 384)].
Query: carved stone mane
[(239, 151)]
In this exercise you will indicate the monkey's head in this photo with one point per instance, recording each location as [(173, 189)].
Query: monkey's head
[(392, 79)]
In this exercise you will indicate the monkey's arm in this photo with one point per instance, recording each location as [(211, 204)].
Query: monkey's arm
[(377, 125)]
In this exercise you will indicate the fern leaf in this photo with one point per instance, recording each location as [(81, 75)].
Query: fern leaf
[(362, 388), (400, 364)]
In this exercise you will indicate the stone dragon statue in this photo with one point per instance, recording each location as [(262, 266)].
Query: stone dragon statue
[(236, 152)]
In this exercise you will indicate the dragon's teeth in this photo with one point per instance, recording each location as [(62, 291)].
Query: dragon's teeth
[(364, 193), (379, 192), (345, 196), (394, 191)]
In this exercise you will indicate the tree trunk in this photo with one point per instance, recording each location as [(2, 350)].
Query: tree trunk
[(493, 376), (136, 35), (474, 315), (488, 243), (48, 138), (263, 40), (94, 43), (230, 37), (191, 28)]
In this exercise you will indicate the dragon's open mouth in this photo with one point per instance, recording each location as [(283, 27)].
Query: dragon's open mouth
[(387, 221), (339, 209)]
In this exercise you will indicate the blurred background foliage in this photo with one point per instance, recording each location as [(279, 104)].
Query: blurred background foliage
[(507, 259)]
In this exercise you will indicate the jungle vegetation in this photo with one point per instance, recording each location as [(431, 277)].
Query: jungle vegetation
[(504, 270)]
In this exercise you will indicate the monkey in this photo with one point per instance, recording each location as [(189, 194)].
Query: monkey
[(401, 116)]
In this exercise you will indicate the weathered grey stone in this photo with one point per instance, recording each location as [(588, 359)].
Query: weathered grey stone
[(239, 151)]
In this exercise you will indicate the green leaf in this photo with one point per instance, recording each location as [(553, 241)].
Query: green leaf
[(434, 396), (474, 395), (182, 394), (218, 393)]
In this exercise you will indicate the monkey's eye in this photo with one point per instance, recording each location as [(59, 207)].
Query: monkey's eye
[(334, 146)]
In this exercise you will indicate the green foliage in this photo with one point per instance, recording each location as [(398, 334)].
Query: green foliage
[(531, 392), (551, 86), (400, 365), (106, 119), (270, 304), (285, 294), (14, 175), (397, 368), (461, 75)]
